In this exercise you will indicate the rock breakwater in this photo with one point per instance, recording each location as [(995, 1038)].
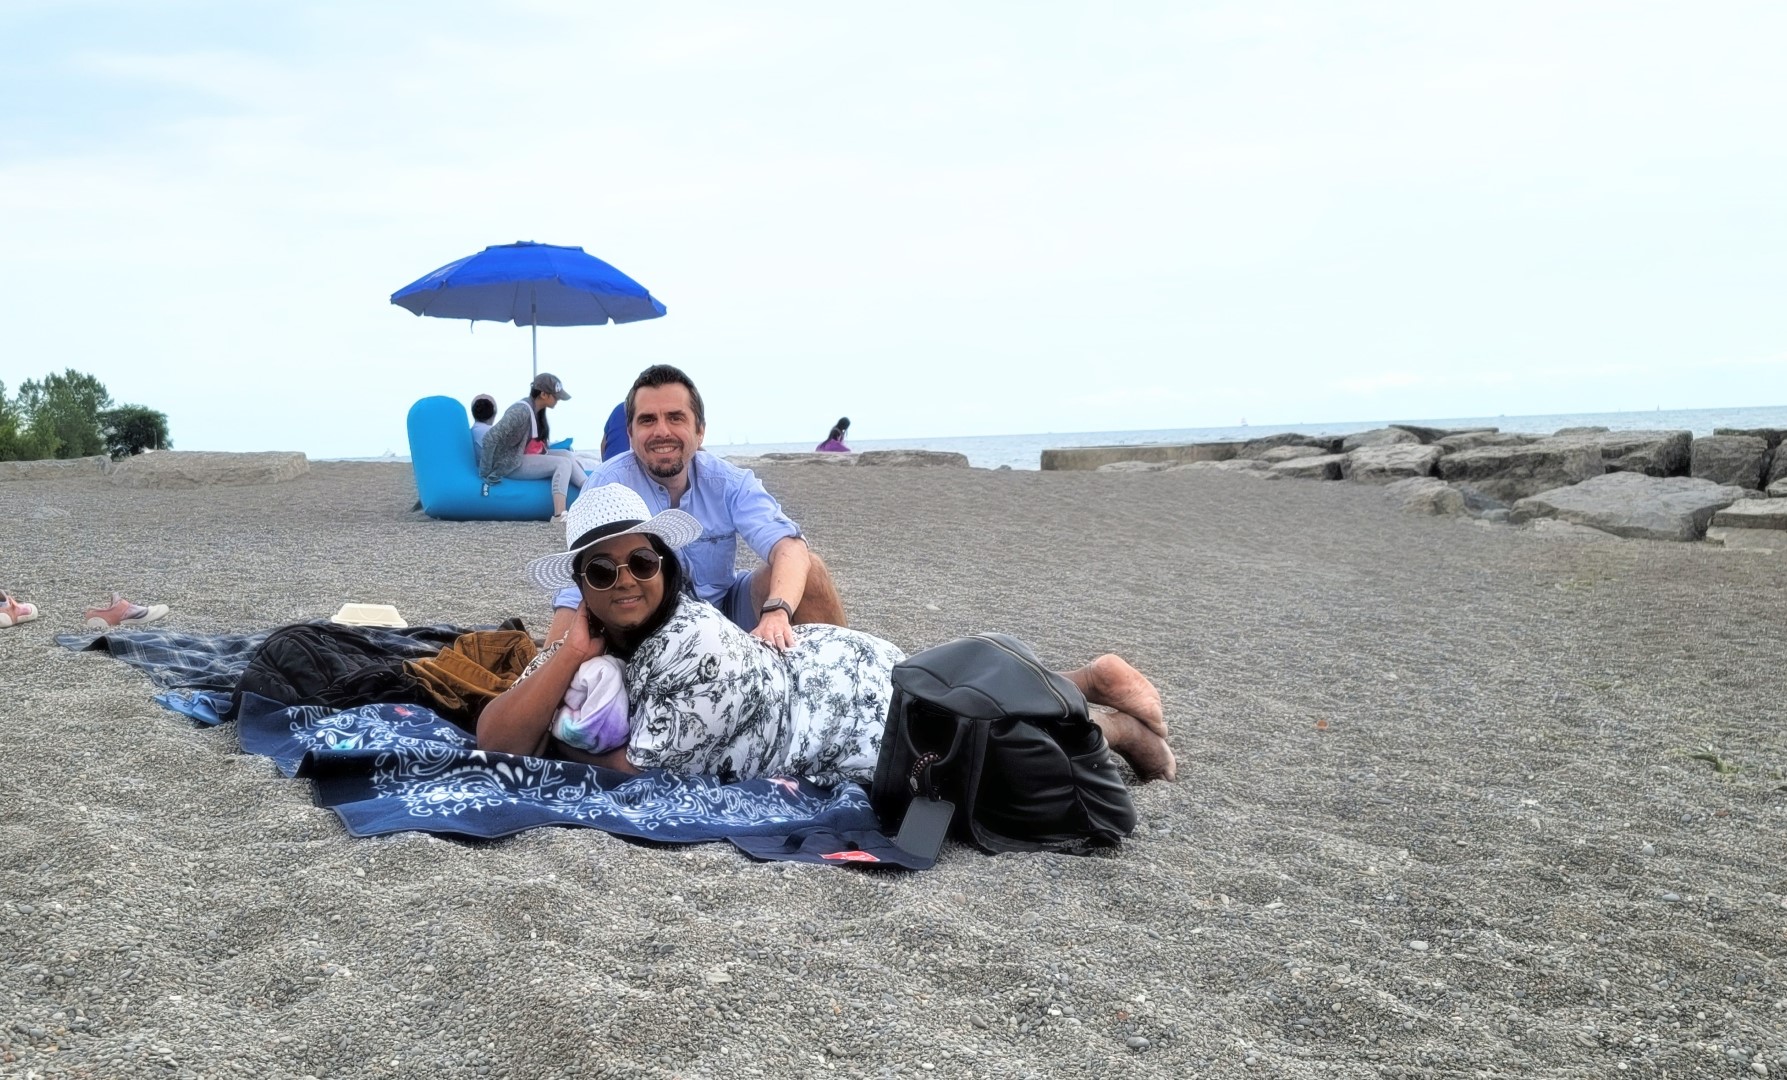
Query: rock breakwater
[(1657, 485)]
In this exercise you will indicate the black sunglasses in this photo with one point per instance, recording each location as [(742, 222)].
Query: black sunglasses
[(600, 572)]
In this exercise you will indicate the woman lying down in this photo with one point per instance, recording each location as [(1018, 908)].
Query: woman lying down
[(649, 677)]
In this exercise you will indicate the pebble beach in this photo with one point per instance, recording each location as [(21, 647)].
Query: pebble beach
[(1454, 800)]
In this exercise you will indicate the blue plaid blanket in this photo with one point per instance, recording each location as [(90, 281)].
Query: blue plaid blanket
[(175, 660), (392, 768), (172, 659)]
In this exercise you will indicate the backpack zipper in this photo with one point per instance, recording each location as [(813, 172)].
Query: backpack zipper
[(1066, 710)]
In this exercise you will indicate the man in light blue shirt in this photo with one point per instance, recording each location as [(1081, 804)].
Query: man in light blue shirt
[(666, 423)]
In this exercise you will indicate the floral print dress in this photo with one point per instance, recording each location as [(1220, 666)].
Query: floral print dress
[(707, 697)]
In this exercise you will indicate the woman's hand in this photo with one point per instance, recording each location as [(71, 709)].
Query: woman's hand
[(579, 642), (519, 721)]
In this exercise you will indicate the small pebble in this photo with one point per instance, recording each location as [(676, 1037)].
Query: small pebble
[(1759, 1068), (1136, 1042), (1671, 898), (1648, 848), (1418, 946)]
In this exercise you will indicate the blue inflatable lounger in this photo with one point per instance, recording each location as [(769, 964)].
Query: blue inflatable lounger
[(446, 467)]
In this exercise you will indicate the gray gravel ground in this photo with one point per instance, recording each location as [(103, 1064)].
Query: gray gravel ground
[(1437, 813)]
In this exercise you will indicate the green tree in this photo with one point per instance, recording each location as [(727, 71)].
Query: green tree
[(17, 443), (61, 413), (132, 429)]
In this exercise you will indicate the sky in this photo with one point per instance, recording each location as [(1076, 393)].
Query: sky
[(939, 219)]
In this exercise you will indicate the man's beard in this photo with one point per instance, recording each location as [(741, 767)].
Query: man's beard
[(667, 470)]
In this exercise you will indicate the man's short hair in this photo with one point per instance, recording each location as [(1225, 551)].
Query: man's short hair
[(663, 375)]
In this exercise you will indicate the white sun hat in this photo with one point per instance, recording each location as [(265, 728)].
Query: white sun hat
[(609, 510)]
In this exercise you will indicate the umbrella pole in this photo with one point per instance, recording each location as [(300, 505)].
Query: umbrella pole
[(533, 318), (536, 330)]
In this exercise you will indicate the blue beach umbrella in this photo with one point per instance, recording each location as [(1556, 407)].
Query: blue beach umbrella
[(531, 285)]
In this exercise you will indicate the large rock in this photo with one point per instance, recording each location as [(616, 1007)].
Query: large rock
[(1514, 472), (1291, 453), (1747, 539), (1326, 467), (1480, 504), (1472, 440), (55, 468), (1770, 435), (1729, 459), (1089, 458), (1257, 447), (1237, 465), (1435, 434), (948, 459), (745, 461), (181, 469), (925, 459), (1384, 436), (1634, 505), (1326, 444), (1778, 489), (1385, 464), (1753, 514), (1426, 495), (1777, 467), (1653, 453), (1131, 466), (1595, 430)]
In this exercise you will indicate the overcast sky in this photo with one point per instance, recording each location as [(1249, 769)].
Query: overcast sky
[(940, 219)]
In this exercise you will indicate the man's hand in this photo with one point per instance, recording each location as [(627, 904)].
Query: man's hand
[(773, 630)]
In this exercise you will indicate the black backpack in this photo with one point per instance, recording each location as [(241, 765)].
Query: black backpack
[(981, 724)]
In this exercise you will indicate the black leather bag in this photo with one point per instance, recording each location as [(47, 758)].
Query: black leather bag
[(981, 724)]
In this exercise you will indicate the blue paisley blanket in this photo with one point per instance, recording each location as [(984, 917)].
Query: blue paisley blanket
[(388, 768), (392, 768)]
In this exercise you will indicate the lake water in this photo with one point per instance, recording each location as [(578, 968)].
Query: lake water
[(1025, 451)]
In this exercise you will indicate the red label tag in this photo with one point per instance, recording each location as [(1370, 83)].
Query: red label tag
[(850, 856)]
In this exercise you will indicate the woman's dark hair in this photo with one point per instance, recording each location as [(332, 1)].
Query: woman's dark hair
[(623, 644), (534, 393), (483, 410), (836, 433), (843, 423)]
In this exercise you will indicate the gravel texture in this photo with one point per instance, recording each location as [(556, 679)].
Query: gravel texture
[(1455, 800)]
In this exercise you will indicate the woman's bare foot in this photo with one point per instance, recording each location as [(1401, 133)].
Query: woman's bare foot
[(1111, 681), (1147, 753)]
